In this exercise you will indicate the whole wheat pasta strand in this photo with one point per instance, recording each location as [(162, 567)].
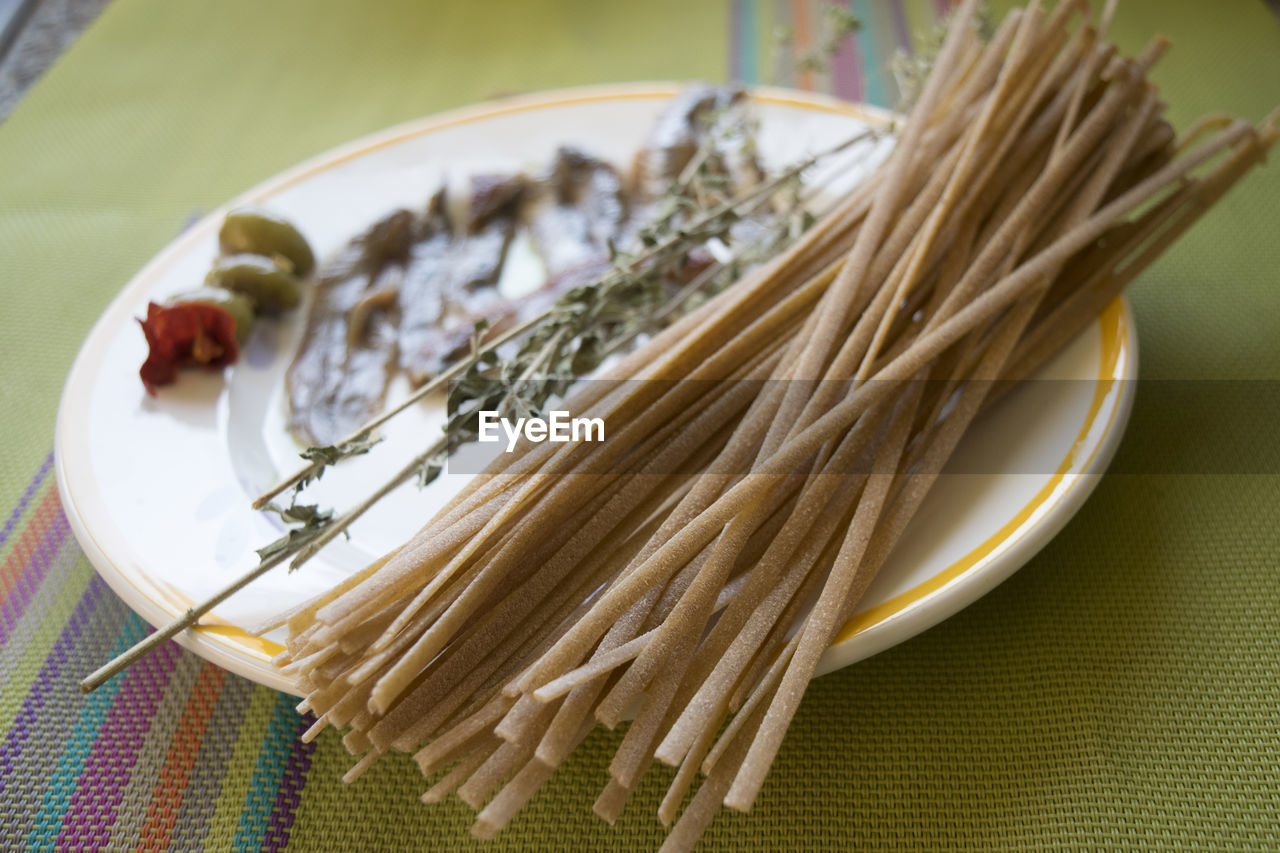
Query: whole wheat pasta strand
[(835, 306), (957, 180), (1083, 194), (461, 772), (706, 802), (577, 706), (780, 547), (515, 794), (626, 769), (502, 764), (686, 621), (622, 632), (735, 639), (857, 345), (460, 739)]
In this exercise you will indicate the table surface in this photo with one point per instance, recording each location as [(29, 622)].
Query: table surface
[(1121, 690)]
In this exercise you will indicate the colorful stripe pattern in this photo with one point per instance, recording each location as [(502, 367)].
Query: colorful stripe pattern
[(144, 762), (176, 753), (769, 39)]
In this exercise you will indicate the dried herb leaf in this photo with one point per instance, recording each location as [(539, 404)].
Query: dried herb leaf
[(311, 521), (332, 454)]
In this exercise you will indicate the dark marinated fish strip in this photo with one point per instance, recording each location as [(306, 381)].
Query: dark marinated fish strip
[(360, 391), (700, 115), (339, 376), (575, 212), (732, 132), (672, 142), (572, 215), (714, 125), (452, 278), (422, 298), (398, 296)]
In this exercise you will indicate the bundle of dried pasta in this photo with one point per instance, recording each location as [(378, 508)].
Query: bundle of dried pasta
[(765, 453)]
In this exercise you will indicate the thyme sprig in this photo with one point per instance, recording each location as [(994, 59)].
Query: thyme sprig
[(310, 521), (838, 24), (910, 68)]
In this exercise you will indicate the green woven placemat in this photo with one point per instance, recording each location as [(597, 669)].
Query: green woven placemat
[(1120, 690)]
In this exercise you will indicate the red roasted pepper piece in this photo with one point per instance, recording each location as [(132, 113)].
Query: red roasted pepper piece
[(188, 334)]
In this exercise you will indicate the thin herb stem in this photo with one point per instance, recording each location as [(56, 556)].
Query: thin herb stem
[(192, 615), (544, 357), (342, 522), (673, 304)]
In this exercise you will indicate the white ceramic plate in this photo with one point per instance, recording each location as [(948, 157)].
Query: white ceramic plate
[(158, 489)]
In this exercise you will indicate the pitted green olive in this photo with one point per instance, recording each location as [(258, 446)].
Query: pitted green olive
[(261, 233), (262, 279), (239, 306)]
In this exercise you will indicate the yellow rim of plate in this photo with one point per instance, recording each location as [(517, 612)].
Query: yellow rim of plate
[(1115, 335)]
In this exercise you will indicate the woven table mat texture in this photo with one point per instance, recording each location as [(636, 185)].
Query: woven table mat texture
[(1120, 691)]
